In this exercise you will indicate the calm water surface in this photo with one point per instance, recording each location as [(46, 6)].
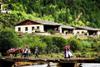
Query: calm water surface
[(90, 64)]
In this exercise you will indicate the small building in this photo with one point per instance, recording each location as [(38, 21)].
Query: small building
[(29, 26), (38, 26), (89, 31), (67, 29), (80, 31)]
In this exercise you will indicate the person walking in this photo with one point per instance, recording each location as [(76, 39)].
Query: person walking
[(36, 52), (67, 52)]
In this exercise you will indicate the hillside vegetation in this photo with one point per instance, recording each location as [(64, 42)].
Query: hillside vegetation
[(48, 45), (69, 12)]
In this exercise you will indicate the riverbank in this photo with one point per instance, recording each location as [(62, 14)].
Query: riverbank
[(75, 55), (30, 61), (61, 55)]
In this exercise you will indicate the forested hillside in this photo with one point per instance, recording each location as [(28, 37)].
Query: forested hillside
[(69, 12)]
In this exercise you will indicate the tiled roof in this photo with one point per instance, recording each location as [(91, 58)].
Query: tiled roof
[(47, 22), (88, 28), (68, 27), (40, 22), (58, 24)]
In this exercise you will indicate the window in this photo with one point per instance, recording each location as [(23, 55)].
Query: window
[(26, 28), (32, 28), (82, 32), (78, 32), (19, 29), (37, 27), (37, 30)]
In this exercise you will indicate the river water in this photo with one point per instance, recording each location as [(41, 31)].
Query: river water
[(90, 65), (44, 65), (55, 65)]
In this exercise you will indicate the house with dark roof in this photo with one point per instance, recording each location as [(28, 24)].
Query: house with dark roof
[(29, 26), (37, 26)]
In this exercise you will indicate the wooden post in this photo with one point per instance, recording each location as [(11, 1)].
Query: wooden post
[(48, 64), (4, 63)]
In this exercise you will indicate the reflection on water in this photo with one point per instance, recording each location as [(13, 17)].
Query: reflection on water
[(55, 65), (44, 65)]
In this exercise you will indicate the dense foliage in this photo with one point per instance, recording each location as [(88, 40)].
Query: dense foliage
[(48, 44), (73, 12)]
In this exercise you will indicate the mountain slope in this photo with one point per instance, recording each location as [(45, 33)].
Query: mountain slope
[(71, 12)]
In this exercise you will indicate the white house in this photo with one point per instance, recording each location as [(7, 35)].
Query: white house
[(29, 26), (42, 27)]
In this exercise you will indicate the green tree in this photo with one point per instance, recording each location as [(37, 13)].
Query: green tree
[(8, 39)]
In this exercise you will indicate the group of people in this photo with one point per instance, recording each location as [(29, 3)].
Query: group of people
[(67, 52), (25, 52)]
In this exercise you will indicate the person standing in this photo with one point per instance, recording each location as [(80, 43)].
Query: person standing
[(26, 51), (67, 52)]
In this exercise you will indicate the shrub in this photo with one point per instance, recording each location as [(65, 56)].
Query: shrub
[(59, 42), (32, 42), (96, 46), (75, 44), (81, 44), (51, 31), (86, 45), (54, 44)]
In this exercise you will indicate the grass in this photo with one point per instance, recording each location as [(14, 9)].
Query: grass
[(50, 56), (61, 55)]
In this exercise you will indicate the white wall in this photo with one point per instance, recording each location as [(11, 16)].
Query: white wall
[(75, 32), (98, 33), (1, 7), (41, 28), (60, 29)]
